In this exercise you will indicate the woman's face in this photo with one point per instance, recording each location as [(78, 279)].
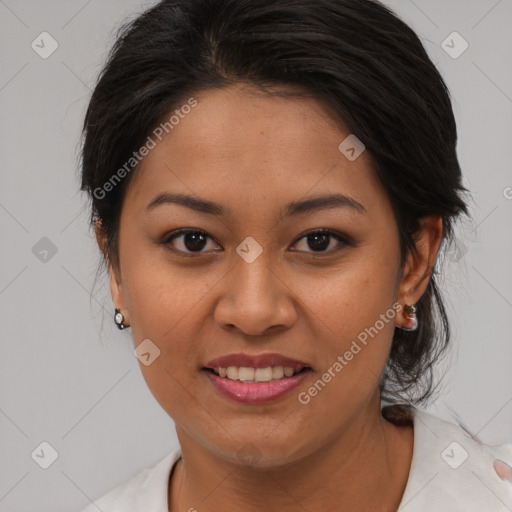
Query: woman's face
[(256, 283)]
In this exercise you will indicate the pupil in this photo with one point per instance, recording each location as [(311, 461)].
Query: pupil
[(320, 241), (194, 241)]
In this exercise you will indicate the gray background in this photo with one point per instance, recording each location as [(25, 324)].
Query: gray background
[(69, 377)]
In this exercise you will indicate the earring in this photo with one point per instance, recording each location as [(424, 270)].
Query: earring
[(410, 315), (119, 319)]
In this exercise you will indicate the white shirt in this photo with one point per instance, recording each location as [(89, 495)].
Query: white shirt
[(450, 472)]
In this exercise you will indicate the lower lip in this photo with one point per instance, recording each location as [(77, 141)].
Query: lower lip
[(255, 392)]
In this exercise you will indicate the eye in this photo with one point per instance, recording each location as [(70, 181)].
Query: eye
[(192, 240), (320, 240)]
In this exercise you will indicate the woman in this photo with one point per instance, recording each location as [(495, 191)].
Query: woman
[(272, 183)]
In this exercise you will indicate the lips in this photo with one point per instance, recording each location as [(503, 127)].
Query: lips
[(256, 361), (253, 379)]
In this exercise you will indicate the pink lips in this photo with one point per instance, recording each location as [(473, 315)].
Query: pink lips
[(255, 392)]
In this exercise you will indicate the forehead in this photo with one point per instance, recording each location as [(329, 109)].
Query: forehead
[(238, 144)]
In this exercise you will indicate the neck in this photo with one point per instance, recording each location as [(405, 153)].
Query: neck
[(370, 454)]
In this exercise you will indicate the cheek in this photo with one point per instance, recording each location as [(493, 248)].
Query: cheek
[(353, 298), (355, 319), (169, 309), (161, 297), (164, 303), (165, 307)]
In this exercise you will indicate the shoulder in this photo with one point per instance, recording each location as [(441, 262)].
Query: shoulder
[(453, 470), (147, 490)]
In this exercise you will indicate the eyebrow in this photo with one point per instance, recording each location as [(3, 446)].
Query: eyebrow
[(291, 209)]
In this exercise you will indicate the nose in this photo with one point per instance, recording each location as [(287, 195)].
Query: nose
[(256, 298)]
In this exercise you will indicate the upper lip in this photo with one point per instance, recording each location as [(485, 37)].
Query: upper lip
[(256, 361)]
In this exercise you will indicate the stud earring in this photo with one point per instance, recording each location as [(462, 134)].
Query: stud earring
[(410, 316), (119, 318)]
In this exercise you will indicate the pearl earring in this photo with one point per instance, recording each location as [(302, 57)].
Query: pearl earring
[(410, 315), (119, 319)]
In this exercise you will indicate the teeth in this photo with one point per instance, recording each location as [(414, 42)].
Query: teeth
[(288, 372), (232, 373), (277, 372), (247, 374), (263, 374)]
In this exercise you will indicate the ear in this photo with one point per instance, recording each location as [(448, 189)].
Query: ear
[(420, 262), (116, 287)]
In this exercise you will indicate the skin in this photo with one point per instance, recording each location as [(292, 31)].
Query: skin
[(253, 154)]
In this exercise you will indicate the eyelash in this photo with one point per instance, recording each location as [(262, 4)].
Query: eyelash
[(344, 241)]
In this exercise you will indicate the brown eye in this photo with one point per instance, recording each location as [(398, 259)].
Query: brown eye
[(187, 240), (321, 240)]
